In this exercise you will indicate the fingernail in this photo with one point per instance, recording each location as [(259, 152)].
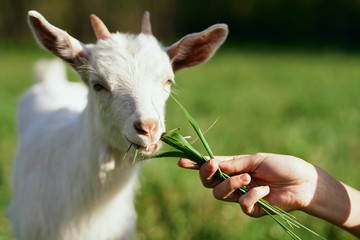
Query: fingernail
[(266, 189), (211, 163), (244, 177)]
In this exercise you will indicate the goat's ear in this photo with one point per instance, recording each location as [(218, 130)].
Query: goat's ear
[(56, 40), (197, 48)]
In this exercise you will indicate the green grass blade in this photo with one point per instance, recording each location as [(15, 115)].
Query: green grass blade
[(135, 155), (211, 126), (195, 126), (171, 154), (177, 141), (125, 155)]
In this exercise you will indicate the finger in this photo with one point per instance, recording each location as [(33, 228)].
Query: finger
[(228, 158), (207, 172), (241, 163), (226, 190), (188, 164), (249, 199)]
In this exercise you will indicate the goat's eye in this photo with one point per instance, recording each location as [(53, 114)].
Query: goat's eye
[(168, 82), (98, 87)]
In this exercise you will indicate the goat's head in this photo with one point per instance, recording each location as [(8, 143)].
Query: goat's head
[(129, 76)]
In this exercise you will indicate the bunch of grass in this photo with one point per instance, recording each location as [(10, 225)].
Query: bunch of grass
[(183, 149)]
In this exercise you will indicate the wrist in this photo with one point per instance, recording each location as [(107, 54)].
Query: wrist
[(332, 201), (319, 193)]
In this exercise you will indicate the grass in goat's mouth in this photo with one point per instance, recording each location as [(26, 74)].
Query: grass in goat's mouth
[(183, 149)]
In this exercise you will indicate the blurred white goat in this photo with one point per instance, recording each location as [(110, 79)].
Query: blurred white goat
[(71, 179)]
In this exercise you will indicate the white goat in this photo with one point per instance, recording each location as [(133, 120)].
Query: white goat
[(71, 177)]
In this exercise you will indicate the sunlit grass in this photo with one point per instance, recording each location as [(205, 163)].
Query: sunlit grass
[(292, 102)]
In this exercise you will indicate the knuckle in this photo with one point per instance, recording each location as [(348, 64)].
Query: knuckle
[(243, 202), (258, 157), (235, 182), (217, 195), (206, 172), (237, 157), (245, 207), (207, 183), (231, 183)]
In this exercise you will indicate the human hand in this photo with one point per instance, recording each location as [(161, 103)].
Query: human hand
[(285, 181)]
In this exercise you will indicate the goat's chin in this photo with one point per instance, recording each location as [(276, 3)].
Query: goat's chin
[(150, 150)]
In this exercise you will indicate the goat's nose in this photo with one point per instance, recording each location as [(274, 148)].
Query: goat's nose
[(147, 127)]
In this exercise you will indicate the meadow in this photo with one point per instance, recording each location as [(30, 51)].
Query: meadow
[(287, 101)]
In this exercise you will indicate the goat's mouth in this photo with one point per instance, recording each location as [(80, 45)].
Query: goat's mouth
[(146, 150)]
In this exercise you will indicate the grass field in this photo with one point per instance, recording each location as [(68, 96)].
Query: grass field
[(290, 102)]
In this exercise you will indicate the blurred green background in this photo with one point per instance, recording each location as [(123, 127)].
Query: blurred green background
[(286, 81)]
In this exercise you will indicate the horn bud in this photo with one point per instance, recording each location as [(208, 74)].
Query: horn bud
[(145, 24), (99, 28)]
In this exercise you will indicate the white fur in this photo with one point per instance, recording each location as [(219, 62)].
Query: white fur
[(72, 177)]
